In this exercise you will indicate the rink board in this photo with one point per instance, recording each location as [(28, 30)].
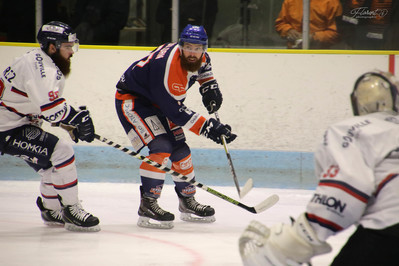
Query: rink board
[(273, 169)]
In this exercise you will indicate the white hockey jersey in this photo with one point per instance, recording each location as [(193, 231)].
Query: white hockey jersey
[(358, 169), (31, 89)]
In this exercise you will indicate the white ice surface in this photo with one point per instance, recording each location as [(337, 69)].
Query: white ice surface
[(25, 240)]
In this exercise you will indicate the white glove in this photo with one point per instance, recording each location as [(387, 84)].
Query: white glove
[(281, 244)]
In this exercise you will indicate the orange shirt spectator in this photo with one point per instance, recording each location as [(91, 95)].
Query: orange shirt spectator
[(323, 28)]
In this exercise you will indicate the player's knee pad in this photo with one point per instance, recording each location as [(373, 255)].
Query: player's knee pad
[(160, 150), (149, 171), (182, 162), (184, 166)]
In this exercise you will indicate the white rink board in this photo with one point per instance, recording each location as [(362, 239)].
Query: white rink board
[(272, 101)]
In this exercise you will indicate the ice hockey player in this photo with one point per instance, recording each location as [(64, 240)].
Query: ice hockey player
[(358, 169), (31, 91), (149, 103)]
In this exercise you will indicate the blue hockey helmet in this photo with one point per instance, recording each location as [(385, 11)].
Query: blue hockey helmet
[(194, 34), (56, 32)]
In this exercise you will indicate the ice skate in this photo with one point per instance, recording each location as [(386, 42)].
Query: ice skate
[(77, 219), (153, 216), (50, 217), (192, 211)]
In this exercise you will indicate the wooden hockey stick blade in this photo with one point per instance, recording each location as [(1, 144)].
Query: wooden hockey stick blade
[(246, 188), (264, 205)]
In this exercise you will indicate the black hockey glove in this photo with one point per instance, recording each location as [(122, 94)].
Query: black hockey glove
[(211, 96), (214, 130), (84, 128)]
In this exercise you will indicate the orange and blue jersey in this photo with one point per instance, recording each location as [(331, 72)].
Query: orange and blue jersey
[(159, 80)]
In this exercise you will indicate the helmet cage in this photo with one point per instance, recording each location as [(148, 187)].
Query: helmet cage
[(375, 92)]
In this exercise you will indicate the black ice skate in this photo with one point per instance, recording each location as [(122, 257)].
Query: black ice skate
[(50, 217), (192, 211), (149, 211), (77, 219)]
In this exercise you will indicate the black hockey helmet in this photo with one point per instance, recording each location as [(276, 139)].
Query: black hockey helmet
[(56, 32)]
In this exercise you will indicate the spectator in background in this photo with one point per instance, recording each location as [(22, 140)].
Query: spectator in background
[(369, 24), (392, 38), (99, 21), (323, 28), (195, 12), (18, 24)]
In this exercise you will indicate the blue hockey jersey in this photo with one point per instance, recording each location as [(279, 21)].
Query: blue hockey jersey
[(159, 79)]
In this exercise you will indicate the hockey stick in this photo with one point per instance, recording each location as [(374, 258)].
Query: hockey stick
[(264, 205), (249, 184)]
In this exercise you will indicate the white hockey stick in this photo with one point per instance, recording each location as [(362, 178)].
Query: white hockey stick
[(249, 184), (264, 205)]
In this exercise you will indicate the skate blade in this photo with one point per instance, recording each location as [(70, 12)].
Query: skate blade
[(192, 218), (76, 228), (147, 222), (53, 224)]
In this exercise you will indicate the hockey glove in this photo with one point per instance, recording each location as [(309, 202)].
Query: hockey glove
[(211, 96), (281, 244), (214, 130), (84, 128)]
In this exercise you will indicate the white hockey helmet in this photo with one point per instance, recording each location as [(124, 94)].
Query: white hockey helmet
[(375, 92)]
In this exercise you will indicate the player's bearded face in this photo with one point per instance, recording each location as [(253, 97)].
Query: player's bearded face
[(191, 63), (62, 62), (191, 57)]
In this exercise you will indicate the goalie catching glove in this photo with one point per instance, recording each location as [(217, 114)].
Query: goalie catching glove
[(211, 96), (214, 130), (281, 244), (79, 125)]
